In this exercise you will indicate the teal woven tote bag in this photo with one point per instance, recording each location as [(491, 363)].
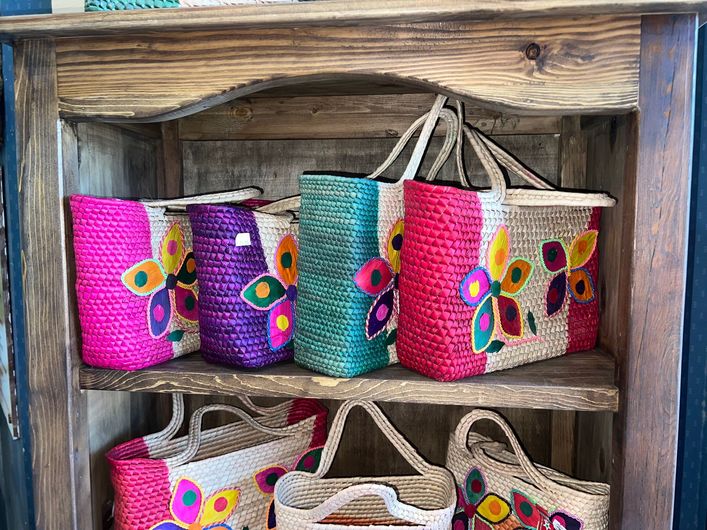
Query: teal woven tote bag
[(351, 232)]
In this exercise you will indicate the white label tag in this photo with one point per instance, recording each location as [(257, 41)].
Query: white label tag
[(243, 239)]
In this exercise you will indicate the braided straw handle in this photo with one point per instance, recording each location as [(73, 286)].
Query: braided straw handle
[(194, 441), (174, 424), (399, 442), (283, 205), (207, 198), (396, 508), (430, 122), (461, 436)]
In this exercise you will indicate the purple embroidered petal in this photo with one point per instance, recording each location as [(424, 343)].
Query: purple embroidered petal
[(379, 315)]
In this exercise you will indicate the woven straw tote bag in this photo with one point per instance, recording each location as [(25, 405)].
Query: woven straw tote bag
[(135, 278), (351, 232), (221, 478), (307, 501), (499, 490), (492, 279), (247, 281)]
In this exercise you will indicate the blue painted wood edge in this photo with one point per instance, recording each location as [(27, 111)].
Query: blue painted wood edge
[(691, 478)]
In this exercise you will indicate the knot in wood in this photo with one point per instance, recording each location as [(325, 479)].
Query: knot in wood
[(532, 51)]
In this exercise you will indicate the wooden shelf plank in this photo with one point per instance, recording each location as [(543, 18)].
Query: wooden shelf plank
[(579, 381), (332, 12)]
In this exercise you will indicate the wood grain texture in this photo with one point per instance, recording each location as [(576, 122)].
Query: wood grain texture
[(337, 12), (585, 65), (81, 428), (51, 394), (650, 369), (582, 381), (375, 116), (169, 178), (276, 165)]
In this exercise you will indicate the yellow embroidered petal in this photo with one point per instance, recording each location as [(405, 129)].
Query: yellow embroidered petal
[(219, 507), (498, 251), (395, 243), (286, 260), (493, 508), (173, 249), (582, 248)]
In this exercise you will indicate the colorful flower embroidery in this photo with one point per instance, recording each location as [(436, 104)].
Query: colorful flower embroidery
[(479, 509), (378, 277), (277, 294), (570, 270), (492, 291), (170, 282), (189, 511), (309, 461)]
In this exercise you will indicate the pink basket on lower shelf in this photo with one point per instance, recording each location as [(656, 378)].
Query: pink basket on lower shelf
[(217, 478), (136, 282)]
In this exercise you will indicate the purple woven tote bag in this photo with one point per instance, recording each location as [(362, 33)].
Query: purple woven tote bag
[(247, 272)]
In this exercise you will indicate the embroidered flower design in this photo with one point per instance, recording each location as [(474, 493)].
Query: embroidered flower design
[(190, 511), (170, 282), (378, 278), (569, 269), (479, 509), (492, 291), (266, 478), (277, 294)]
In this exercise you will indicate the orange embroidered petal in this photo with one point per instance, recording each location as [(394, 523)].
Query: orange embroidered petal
[(219, 507), (395, 243), (144, 278), (173, 249), (498, 252), (517, 276), (582, 248), (286, 260), (581, 285)]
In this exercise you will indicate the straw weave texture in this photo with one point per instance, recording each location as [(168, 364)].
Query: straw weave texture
[(232, 331), (303, 500), (144, 472), (515, 479)]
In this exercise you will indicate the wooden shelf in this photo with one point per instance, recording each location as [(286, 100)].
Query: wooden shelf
[(333, 13), (579, 381)]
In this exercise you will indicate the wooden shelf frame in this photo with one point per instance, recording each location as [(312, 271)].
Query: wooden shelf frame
[(320, 13), (82, 78), (580, 381)]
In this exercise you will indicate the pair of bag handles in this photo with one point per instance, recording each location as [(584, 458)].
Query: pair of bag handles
[(344, 497)]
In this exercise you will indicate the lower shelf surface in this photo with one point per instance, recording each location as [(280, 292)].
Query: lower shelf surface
[(578, 381)]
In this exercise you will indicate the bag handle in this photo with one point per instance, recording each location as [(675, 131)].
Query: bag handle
[(282, 205), (399, 442), (195, 430), (395, 506), (461, 436), (430, 122), (491, 155), (174, 424), (242, 194)]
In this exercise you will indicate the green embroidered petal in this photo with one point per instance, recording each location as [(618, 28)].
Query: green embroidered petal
[(263, 292)]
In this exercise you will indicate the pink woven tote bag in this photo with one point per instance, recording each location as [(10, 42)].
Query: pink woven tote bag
[(136, 278), (221, 478), (496, 278), (500, 490), (308, 501)]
